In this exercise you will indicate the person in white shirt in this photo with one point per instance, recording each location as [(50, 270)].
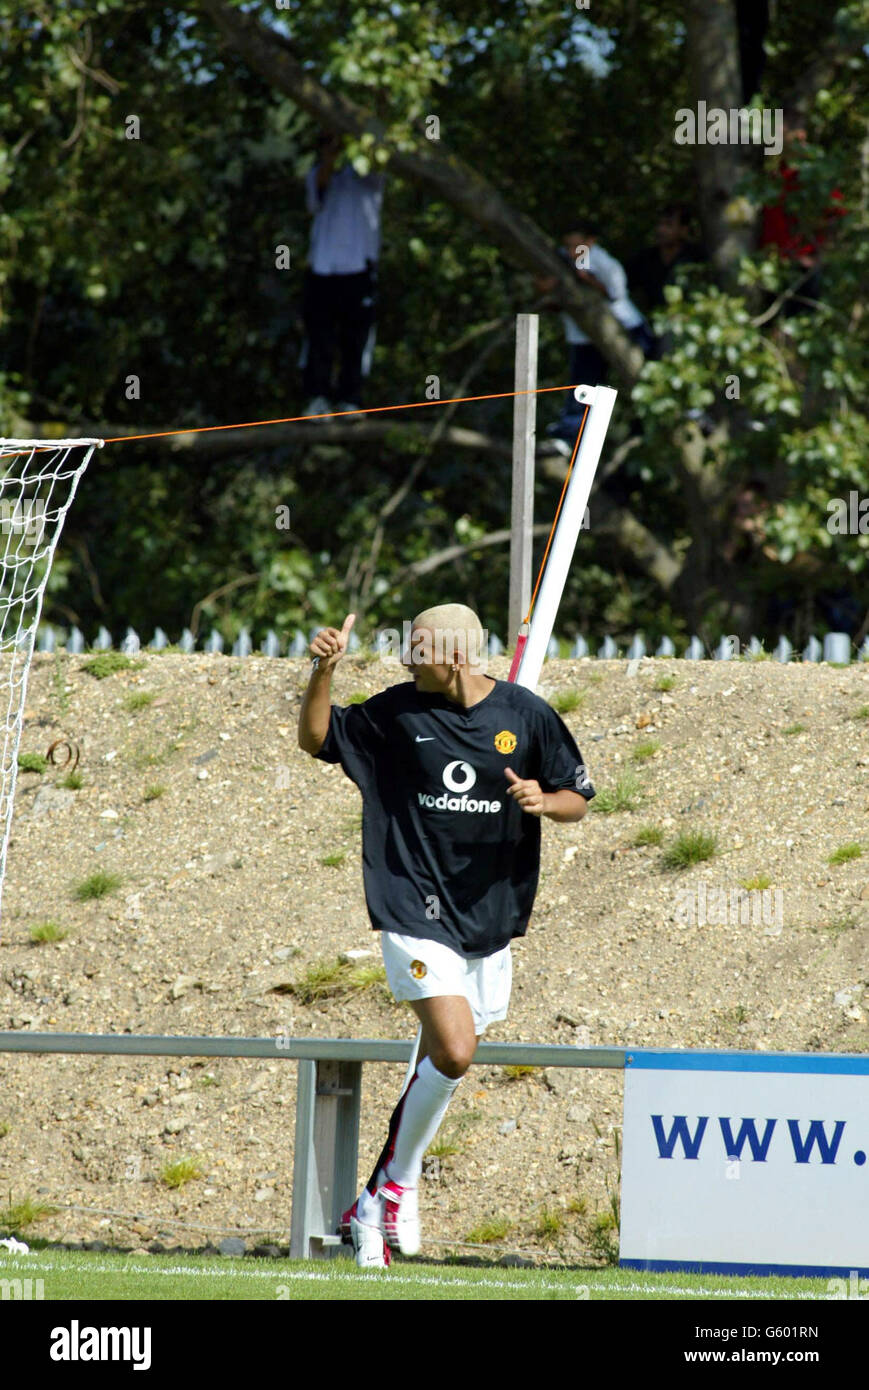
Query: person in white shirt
[(588, 366), (339, 296)]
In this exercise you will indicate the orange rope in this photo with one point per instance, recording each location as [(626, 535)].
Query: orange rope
[(335, 414), (557, 515)]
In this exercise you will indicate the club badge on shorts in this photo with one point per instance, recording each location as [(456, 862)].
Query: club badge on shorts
[(418, 969), (505, 742)]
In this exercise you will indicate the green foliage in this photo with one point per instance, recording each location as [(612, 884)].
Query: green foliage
[(178, 1173), (490, 1231), (138, 699), (109, 663), (72, 782), (568, 700), (646, 750), (17, 1217), (47, 931), (624, 796), (690, 847), (334, 979), (153, 792), (759, 882), (97, 885), (845, 852), (648, 835), (32, 762), (190, 301)]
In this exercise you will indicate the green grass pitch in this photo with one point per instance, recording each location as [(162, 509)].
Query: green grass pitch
[(74, 1275)]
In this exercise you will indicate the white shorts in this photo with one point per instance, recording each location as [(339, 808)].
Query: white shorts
[(420, 969)]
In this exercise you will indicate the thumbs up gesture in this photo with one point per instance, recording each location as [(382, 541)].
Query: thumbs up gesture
[(329, 644), (527, 793)]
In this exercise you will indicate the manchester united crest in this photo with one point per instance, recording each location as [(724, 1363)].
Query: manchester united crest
[(418, 969), (505, 742)]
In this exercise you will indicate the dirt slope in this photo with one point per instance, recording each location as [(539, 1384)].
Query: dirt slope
[(224, 897)]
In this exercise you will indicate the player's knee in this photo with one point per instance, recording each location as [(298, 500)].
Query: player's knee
[(453, 1059)]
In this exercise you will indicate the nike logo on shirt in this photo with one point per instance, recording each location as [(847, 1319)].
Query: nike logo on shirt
[(424, 740)]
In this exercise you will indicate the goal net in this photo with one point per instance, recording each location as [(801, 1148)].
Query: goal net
[(38, 480)]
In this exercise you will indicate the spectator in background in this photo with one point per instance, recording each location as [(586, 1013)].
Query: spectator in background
[(340, 288), (588, 366), (784, 224), (654, 267)]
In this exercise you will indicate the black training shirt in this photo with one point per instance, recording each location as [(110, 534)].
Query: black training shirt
[(447, 855)]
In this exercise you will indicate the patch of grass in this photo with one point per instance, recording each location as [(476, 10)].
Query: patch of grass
[(624, 796), (333, 979), (332, 861), (18, 1216), (845, 852), (664, 683), (108, 663), (603, 1237), (567, 701), (153, 792), (862, 712), (207, 1079), (759, 881), (794, 729), (691, 847), (152, 754), (513, 1073), (549, 1225), (648, 835), (846, 921), (97, 885), (72, 782), (490, 1231), (47, 931), (31, 762), (180, 1172), (452, 1136), (138, 699), (646, 750), (5, 1127), (738, 1014), (595, 678), (357, 698), (578, 1206)]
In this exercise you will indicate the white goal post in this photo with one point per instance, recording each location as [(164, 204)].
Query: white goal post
[(38, 481)]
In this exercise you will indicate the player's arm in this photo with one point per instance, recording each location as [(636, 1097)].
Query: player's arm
[(327, 649), (563, 805)]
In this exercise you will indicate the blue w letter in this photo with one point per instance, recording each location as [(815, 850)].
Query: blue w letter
[(678, 1130)]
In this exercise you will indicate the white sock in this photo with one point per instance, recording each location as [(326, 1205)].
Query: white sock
[(425, 1105), (414, 1123)]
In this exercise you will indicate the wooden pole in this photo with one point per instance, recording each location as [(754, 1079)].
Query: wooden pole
[(524, 445)]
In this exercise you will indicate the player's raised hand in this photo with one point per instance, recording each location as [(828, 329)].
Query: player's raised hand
[(330, 644), (527, 793)]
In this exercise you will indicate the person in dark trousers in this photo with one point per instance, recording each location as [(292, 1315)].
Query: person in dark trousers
[(340, 290), (456, 771), (651, 269)]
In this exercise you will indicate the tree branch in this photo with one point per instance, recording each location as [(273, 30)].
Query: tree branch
[(449, 176)]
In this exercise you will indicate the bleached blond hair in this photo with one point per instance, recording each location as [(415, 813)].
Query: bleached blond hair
[(454, 627)]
